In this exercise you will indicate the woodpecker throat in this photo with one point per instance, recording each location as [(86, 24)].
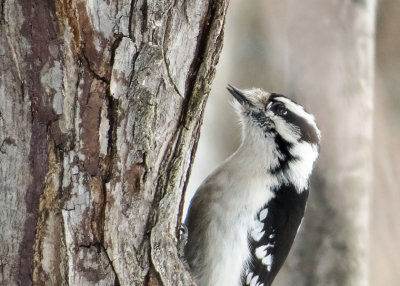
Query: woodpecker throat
[(244, 217)]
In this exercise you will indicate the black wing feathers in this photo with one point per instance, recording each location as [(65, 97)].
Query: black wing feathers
[(270, 247)]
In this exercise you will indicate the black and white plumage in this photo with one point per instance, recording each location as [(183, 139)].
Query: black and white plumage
[(243, 218)]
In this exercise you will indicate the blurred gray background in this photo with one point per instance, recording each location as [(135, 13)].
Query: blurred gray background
[(341, 59)]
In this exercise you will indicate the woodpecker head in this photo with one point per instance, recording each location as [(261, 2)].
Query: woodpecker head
[(272, 114), (280, 126)]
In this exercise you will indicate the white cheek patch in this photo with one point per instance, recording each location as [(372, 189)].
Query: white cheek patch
[(300, 170), (289, 132)]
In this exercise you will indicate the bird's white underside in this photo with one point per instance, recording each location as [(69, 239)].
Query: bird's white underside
[(240, 187)]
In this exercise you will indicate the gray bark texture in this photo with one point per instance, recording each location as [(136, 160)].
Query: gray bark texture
[(101, 104)]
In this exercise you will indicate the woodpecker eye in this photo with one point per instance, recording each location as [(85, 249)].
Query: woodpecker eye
[(278, 108)]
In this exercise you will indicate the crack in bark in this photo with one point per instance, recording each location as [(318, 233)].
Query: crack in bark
[(85, 60), (111, 150), (159, 194), (189, 170), (130, 20), (165, 49), (112, 111), (106, 174), (2, 13), (200, 49), (114, 47), (68, 209), (169, 154), (192, 79), (133, 66), (143, 9), (73, 138), (188, 105), (116, 281)]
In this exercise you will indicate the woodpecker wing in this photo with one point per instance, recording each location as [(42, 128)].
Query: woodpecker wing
[(272, 236)]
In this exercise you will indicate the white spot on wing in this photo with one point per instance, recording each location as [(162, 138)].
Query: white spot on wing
[(257, 233), (263, 214), (269, 245), (258, 225), (253, 281), (267, 260), (261, 252)]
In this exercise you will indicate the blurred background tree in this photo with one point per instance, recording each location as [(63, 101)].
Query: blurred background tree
[(341, 59)]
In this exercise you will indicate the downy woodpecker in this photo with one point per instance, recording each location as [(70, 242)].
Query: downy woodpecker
[(243, 218)]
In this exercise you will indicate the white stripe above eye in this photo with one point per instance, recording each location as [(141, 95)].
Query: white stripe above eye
[(298, 109)]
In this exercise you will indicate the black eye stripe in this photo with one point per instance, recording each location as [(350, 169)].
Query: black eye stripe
[(308, 132)]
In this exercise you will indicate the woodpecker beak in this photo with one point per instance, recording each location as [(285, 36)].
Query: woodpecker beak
[(239, 95)]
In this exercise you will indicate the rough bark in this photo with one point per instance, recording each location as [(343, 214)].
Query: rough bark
[(101, 105)]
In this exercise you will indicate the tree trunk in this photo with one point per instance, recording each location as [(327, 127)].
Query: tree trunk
[(331, 68), (101, 104), (385, 226)]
